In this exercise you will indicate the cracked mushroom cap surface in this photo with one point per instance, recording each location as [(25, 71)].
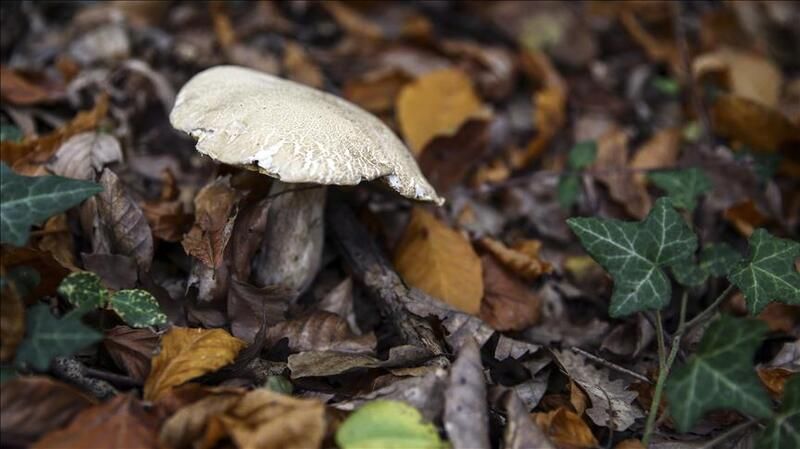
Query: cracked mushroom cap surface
[(292, 132)]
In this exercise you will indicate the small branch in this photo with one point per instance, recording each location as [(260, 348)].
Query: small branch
[(113, 378), (611, 365)]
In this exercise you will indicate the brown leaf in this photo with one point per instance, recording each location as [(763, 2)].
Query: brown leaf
[(120, 422), (248, 235), (508, 304), (566, 429), (660, 151), (131, 349), (259, 418), (745, 217), (18, 89), (167, 219), (84, 155), (50, 271), (630, 444), (116, 271), (22, 423), (58, 241), (330, 363), (248, 305), (522, 258), (747, 75), (321, 331), (759, 127), (376, 91), (446, 160), (352, 21), (29, 156), (215, 211), (339, 300), (123, 222), (775, 380), (493, 67), (12, 319), (189, 353), (440, 261), (658, 49), (611, 168), (436, 104), (522, 431), (299, 66), (781, 317), (223, 28)]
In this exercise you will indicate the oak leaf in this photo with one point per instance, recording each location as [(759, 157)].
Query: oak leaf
[(189, 353), (440, 261)]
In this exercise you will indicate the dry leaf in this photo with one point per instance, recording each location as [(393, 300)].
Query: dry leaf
[(377, 91), (440, 261), (466, 418), (321, 331), (50, 271), (781, 317), (566, 429), (351, 21), (12, 319), (299, 66), (630, 444), (121, 422), (249, 305), (757, 126), (446, 160), (508, 304), (215, 212), (745, 217), (522, 259), (131, 349), (748, 75), (116, 271), (436, 104), (658, 49), (189, 353), (611, 168), (16, 88), (58, 241), (660, 151), (775, 380), (55, 405), (84, 155)]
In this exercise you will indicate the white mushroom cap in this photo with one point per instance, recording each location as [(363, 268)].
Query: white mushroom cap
[(292, 132)]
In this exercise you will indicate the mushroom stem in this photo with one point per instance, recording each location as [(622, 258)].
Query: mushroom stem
[(291, 253)]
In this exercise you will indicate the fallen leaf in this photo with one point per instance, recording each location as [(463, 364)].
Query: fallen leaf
[(56, 404), (299, 67), (122, 221), (58, 241), (168, 220), (339, 300), (747, 74), (630, 444), (446, 160), (775, 380), (189, 353), (352, 21), (321, 331), (83, 156), (120, 422), (12, 318), (466, 417), (376, 91), (745, 217), (780, 317), (117, 272), (658, 49), (436, 104), (522, 258), (611, 168), (249, 305), (385, 423), (522, 431), (660, 151), (440, 261), (492, 68), (215, 212), (566, 429), (329, 363), (18, 89), (50, 271), (508, 304), (131, 349), (753, 124)]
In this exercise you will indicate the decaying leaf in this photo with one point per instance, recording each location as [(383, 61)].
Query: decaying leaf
[(446, 159), (299, 66), (84, 155), (466, 418), (436, 104), (440, 261), (329, 363), (131, 349), (12, 318), (249, 305), (566, 428), (611, 168), (321, 331), (189, 353), (215, 211), (377, 91), (16, 88), (753, 124), (522, 258), (508, 304), (748, 75)]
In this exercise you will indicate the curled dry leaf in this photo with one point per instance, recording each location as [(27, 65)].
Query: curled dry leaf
[(56, 404), (247, 236), (660, 151), (189, 353), (566, 429), (522, 258), (611, 168), (508, 304), (131, 349), (440, 261), (84, 155), (436, 104), (492, 67), (775, 380), (466, 418), (122, 221), (321, 331), (259, 418), (755, 125), (215, 211), (339, 300), (120, 422), (117, 272), (748, 75)]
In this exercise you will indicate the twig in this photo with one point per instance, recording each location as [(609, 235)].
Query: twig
[(611, 365), (702, 316), (71, 370), (113, 378)]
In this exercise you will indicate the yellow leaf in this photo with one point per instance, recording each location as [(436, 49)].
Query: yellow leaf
[(441, 262), (436, 104), (189, 353)]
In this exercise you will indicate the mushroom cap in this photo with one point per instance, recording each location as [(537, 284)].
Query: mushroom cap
[(297, 134)]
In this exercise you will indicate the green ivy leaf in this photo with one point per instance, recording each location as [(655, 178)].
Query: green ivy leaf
[(770, 274), (635, 252), (720, 375), (569, 187), (26, 201), (783, 430), (688, 273), (582, 155), (47, 337), (84, 290), (682, 186), (387, 424), (10, 133), (716, 259), (137, 307)]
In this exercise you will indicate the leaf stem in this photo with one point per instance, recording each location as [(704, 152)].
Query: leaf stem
[(702, 316), (662, 376)]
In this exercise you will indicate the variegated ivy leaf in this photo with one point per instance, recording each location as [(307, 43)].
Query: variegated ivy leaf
[(635, 253), (716, 259), (720, 375), (783, 430), (769, 275), (682, 186), (83, 290), (137, 308)]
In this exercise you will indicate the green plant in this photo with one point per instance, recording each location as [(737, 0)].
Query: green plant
[(580, 156), (640, 255)]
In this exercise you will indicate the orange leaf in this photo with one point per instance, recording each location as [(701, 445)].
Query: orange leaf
[(753, 124), (189, 353), (523, 259), (440, 261), (566, 429)]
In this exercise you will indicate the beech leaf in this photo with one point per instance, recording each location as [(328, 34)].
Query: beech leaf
[(720, 375), (388, 424), (770, 273), (682, 186), (49, 337), (27, 201), (635, 253)]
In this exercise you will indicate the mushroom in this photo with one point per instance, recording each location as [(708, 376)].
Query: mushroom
[(304, 138)]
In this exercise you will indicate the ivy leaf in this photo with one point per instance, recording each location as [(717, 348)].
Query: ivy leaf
[(568, 189), (137, 308), (48, 337), (84, 290), (582, 155), (26, 201), (389, 424), (770, 274), (682, 186), (721, 374), (635, 252), (716, 259), (783, 430)]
